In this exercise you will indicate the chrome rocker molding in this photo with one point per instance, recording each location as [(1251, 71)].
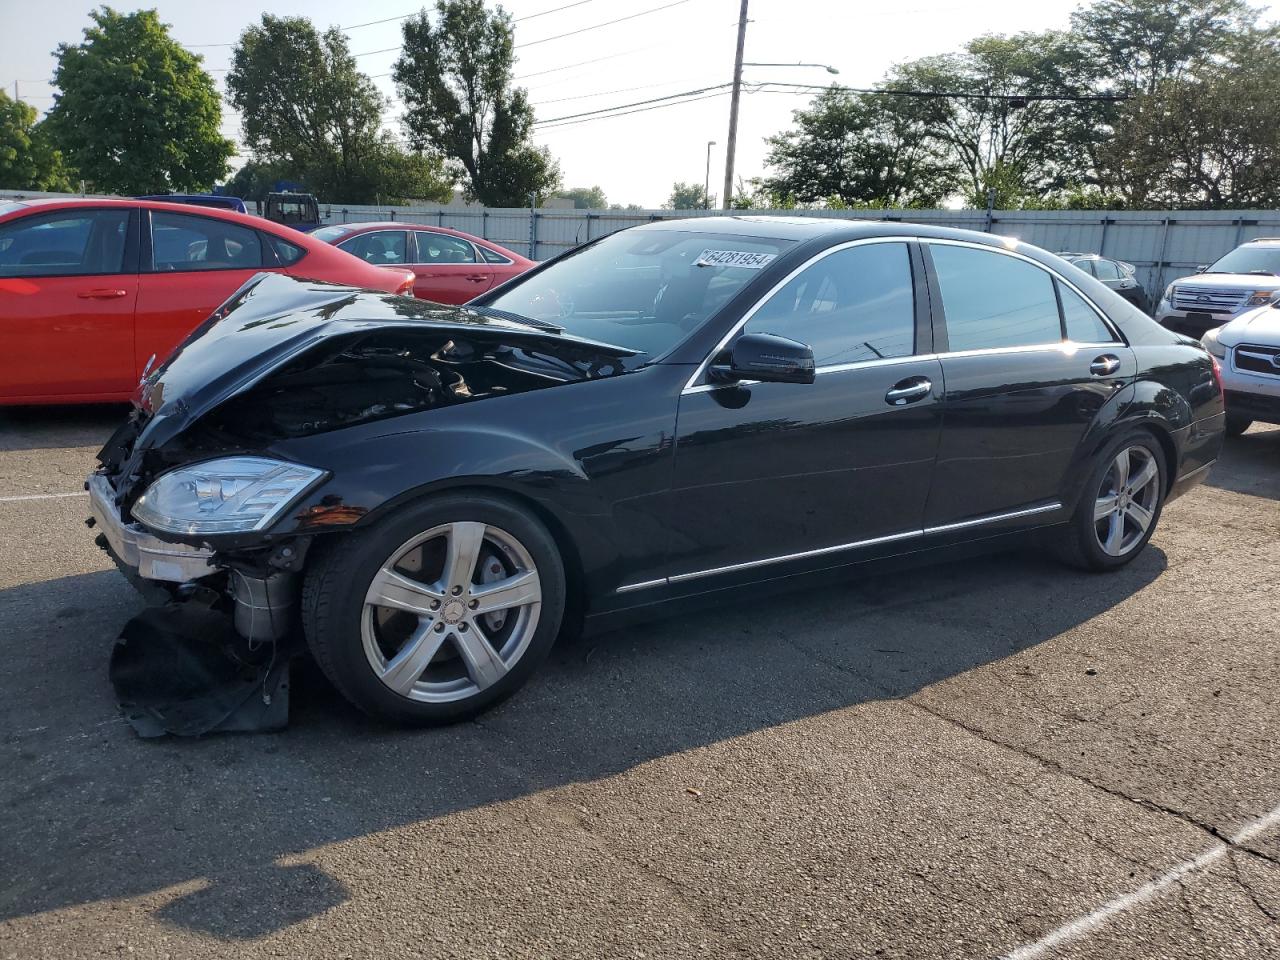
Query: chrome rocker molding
[(821, 551)]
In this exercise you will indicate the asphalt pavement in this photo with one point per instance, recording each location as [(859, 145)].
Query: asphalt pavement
[(994, 758)]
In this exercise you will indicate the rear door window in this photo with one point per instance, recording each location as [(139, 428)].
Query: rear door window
[(1106, 270), (381, 247), (992, 300), (1082, 321), (182, 243), (853, 305), (79, 243), (442, 248)]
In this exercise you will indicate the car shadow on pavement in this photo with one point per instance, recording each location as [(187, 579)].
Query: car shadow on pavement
[(1254, 461), (43, 428), (90, 812)]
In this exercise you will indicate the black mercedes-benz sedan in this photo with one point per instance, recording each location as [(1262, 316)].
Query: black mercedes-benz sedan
[(430, 494)]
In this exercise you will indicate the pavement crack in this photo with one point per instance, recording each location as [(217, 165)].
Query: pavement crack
[(1053, 765), (1252, 894)]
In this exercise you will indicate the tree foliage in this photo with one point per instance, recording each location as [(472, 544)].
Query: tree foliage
[(308, 112), (858, 149), (585, 198), (136, 112), (28, 161), (454, 75), (687, 196)]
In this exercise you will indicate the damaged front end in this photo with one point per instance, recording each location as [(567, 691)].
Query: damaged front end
[(201, 500)]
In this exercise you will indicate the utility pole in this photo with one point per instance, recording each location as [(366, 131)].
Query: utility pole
[(732, 143), (706, 183)]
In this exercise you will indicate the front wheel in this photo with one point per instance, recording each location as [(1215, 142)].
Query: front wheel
[(1120, 507), (439, 611)]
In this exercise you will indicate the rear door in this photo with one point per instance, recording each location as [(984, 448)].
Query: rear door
[(448, 268), (68, 287), (190, 265), (1028, 365)]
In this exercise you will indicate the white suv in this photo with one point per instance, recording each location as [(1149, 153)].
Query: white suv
[(1248, 351), (1247, 277)]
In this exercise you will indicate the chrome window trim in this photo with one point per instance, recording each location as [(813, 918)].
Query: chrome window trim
[(692, 386), (857, 544), (1009, 252), (755, 307)]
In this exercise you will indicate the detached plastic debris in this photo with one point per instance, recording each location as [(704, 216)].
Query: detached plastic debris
[(182, 669)]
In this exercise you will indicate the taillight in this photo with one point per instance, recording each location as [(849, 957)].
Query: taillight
[(1217, 374), (405, 289)]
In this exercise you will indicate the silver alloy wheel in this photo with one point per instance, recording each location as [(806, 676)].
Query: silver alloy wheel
[(1126, 503), (451, 612)]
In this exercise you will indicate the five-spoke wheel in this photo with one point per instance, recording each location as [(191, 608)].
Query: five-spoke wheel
[(439, 610)]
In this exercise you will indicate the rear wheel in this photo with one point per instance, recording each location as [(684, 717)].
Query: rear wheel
[(439, 611), (1237, 424), (1120, 508)]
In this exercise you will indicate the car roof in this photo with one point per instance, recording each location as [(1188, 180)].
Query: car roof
[(813, 228), (354, 229), (219, 213)]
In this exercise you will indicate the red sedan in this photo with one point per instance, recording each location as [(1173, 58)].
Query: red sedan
[(450, 266), (90, 290)]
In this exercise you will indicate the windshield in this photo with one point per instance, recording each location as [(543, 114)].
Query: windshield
[(1249, 260), (646, 290), (329, 234)]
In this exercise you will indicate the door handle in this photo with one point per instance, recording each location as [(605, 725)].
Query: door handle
[(1104, 365), (477, 277), (908, 391), (102, 294)]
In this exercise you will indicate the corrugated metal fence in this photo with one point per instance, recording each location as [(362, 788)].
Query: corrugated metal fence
[(1163, 245)]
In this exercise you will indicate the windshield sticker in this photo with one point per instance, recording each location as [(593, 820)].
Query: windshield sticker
[(734, 258)]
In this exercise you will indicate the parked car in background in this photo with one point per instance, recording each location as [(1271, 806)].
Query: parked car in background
[(1248, 350), (1247, 277), (1114, 274), (667, 411), (215, 200), (449, 266), (301, 211), (92, 290)]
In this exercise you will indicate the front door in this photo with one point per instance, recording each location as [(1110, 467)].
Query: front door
[(1028, 365), (68, 285), (771, 476)]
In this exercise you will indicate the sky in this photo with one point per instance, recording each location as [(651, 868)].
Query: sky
[(686, 46)]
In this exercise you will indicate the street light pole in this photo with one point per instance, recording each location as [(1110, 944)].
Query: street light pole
[(732, 143), (706, 183)]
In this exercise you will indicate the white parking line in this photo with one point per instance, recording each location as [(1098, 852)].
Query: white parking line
[(44, 496), (1092, 921)]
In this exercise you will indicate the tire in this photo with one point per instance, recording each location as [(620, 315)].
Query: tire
[(1089, 541), (1236, 424), (409, 662)]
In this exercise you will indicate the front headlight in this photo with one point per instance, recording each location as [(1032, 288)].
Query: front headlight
[(1168, 293), (1210, 342), (1260, 297), (229, 495)]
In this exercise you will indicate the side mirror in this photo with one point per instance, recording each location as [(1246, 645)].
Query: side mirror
[(766, 358), (1201, 267)]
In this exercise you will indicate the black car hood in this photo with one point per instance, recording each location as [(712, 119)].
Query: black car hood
[(274, 319)]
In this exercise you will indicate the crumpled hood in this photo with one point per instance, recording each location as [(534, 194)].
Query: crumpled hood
[(273, 318)]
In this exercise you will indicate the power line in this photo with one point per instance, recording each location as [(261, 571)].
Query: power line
[(1013, 98), (597, 26), (534, 16), (581, 63), (638, 103), (660, 106)]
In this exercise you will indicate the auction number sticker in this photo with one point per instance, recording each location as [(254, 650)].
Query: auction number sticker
[(734, 258)]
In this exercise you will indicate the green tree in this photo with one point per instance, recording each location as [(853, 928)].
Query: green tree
[(308, 114), (28, 161), (136, 112), (585, 198), (454, 75), (687, 196), (861, 149)]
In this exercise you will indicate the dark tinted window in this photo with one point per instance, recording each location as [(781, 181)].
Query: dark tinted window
[(181, 242), (856, 304), (992, 300), (382, 247), (1083, 323), (287, 252), (1106, 270), (491, 257), (64, 244), (1085, 265), (442, 248)]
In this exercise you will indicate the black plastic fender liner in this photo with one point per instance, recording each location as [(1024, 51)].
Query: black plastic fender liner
[(182, 669)]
